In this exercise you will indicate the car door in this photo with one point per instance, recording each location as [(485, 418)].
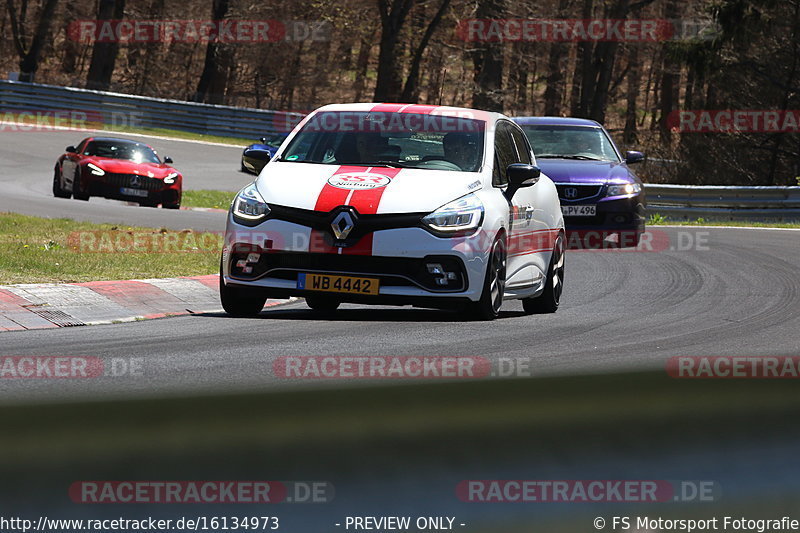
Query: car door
[(529, 233)]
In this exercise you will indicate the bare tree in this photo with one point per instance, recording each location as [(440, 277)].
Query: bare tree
[(487, 60), (214, 80), (29, 53)]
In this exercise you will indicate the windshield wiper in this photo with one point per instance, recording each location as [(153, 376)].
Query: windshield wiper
[(390, 164), (565, 156)]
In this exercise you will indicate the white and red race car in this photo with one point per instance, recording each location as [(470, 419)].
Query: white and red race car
[(401, 205)]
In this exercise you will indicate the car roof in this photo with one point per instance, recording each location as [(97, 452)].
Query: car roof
[(555, 121), (460, 112)]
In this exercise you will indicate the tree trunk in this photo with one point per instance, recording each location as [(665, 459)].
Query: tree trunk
[(214, 79), (30, 55), (634, 79), (670, 80), (389, 85), (362, 65), (605, 56), (411, 89), (104, 55), (487, 59)]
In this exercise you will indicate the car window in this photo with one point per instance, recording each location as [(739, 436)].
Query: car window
[(505, 154), (570, 142), (405, 140), (521, 144), (131, 151)]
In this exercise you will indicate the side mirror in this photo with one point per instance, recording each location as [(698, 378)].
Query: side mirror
[(263, 140), (520, 175), (71, 149), (168, 160), (633, 157)]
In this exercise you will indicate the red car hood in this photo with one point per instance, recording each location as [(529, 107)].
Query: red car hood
[(124, 166)]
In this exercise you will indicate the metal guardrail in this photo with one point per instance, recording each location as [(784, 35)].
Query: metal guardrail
[(724, 202), (109, 110)]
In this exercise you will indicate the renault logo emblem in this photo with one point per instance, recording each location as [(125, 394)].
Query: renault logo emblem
[(570, 192), (342, 225), (136, 180)]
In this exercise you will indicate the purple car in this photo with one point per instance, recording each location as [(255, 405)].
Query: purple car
[(600, 196)]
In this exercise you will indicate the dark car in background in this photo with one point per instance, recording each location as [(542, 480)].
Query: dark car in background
[(258, 154), (600, 196), (119, 169)]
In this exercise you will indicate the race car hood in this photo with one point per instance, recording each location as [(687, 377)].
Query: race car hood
[(124, 166), (370, 190), (571, 171)]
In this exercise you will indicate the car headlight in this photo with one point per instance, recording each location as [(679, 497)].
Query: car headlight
[(622, 190), (170, 179), (249, 205), (461, 216), (97, 171)]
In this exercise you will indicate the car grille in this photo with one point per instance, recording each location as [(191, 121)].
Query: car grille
[(124, 180), (569, 192), (394, 271)]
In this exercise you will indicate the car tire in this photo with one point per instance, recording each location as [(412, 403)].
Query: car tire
[(549, 300), (488, 307), (322, 304), (170, 206), (244, 169), (77, 188), (58, 192), (240, 302)]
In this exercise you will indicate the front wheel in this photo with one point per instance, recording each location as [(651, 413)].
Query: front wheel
[(494, 285), (78, 190), (170, 206), (548, 301), (58, 192), (239, 301)]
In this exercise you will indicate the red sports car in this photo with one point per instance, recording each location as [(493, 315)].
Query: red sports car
[(119, 169)]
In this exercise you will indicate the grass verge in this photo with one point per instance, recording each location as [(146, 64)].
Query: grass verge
[(207, 198), (658, 220), (39, 250)]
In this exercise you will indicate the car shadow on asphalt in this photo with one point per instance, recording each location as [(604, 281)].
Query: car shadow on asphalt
[(365, 314)]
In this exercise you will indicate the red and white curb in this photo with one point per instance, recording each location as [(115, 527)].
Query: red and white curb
[(53, 305)]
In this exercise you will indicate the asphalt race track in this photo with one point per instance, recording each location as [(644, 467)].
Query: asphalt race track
[(699, 292)]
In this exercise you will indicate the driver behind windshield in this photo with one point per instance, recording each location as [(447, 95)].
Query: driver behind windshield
[(461, 149), (581, 144)]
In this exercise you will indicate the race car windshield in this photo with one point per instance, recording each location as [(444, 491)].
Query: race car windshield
[(402, 140), (570, 142), (130, 151)]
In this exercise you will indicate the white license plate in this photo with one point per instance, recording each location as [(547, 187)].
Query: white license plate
[(133, 192), (579, 210)]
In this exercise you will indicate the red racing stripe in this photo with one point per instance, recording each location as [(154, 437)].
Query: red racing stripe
[(366, 201), (330, 196)]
